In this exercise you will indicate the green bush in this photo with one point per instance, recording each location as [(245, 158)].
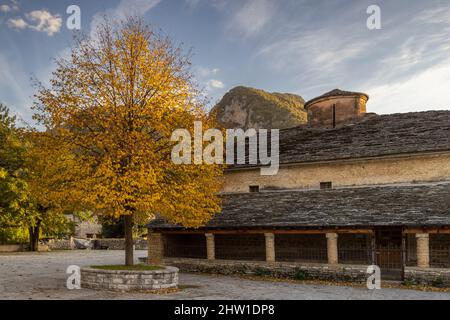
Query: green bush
[(301, 275), (13, 235), (438, 282), (262, 272), (409, 283)]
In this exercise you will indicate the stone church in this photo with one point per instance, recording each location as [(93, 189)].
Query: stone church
[(354, 189)]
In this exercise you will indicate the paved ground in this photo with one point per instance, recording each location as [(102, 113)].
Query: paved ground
[(42, 276)]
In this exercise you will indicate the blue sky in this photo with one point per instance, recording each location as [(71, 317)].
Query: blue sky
[(303, 47)]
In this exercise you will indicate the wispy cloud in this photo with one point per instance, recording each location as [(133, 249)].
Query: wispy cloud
[(124, 8), (426, 90), (251, 18), (440, 15), (218, 4), (203, 72), (15, 80), (316, 52)]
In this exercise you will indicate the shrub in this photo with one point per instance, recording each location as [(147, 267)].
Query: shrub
[(438, 282), (262, 272), (301, 275)]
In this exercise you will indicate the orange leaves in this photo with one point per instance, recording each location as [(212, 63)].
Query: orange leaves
[(109, 115)]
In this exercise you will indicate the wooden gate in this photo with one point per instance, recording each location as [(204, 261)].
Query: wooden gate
[(389, 252)]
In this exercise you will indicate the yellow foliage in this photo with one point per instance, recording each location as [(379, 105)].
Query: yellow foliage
[(109, 115)]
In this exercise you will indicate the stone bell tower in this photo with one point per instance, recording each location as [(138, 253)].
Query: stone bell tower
[(336, 108)]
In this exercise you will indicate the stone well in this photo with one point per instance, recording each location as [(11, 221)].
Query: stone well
[(129, 280)]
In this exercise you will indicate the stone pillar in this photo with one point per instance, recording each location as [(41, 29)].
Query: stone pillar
[(332, 248), (270, 247), (210, 246), (423, 250), (71, 243), (155, 248)]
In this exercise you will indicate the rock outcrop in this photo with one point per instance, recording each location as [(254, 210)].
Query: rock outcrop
[(244, 107)]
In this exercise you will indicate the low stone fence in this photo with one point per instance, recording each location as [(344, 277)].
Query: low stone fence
[(436, 277), (13, 247), (21, 247), (97, 244), (129, 280), (118, 244), (300, 271), (59, 244)]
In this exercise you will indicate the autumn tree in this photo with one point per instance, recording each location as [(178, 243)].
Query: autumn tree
[(114, 104), (46, 177), (13, 189), (26, 184)]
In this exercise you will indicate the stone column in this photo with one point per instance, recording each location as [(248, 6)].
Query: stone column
[(423, 250), (270, 247), (71, 243), (155, 248), (210, 246), (332, 248)]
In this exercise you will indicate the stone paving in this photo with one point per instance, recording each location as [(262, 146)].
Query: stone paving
[(42, 276)]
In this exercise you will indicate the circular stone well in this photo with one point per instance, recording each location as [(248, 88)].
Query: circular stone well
[(129, 280)]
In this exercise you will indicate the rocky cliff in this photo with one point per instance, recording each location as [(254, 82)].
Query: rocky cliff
[(244, 107)]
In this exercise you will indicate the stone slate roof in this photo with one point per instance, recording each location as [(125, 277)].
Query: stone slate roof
[(414, 206), (334, 93), (374, 135)]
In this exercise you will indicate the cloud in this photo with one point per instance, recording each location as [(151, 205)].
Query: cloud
[(316, 55), (15, 83), (38, 20), (44, 21), (123, 9), (17, 23), (192, 3), (203, 72), (215, 84), (426, 90), (251, 18), (440, 15), (12, 6), (217, 4), (5, 8)]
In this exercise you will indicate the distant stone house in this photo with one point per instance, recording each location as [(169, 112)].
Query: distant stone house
[(85, 229), (353, 189)]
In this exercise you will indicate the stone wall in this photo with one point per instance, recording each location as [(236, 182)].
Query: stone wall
[(411, 169), (87, 229), (129, 280), (118, 244), (110, 244), (22, 247), (12, 247), (59, 244), (428, 276), (300, 271)]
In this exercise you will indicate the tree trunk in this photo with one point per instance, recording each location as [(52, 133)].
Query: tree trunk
[(34, 236), (129, 258)]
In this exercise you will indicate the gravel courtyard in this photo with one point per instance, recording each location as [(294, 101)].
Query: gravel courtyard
[(42, 276)]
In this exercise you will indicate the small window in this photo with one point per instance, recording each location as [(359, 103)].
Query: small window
[(254, 188), (326, 185)]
